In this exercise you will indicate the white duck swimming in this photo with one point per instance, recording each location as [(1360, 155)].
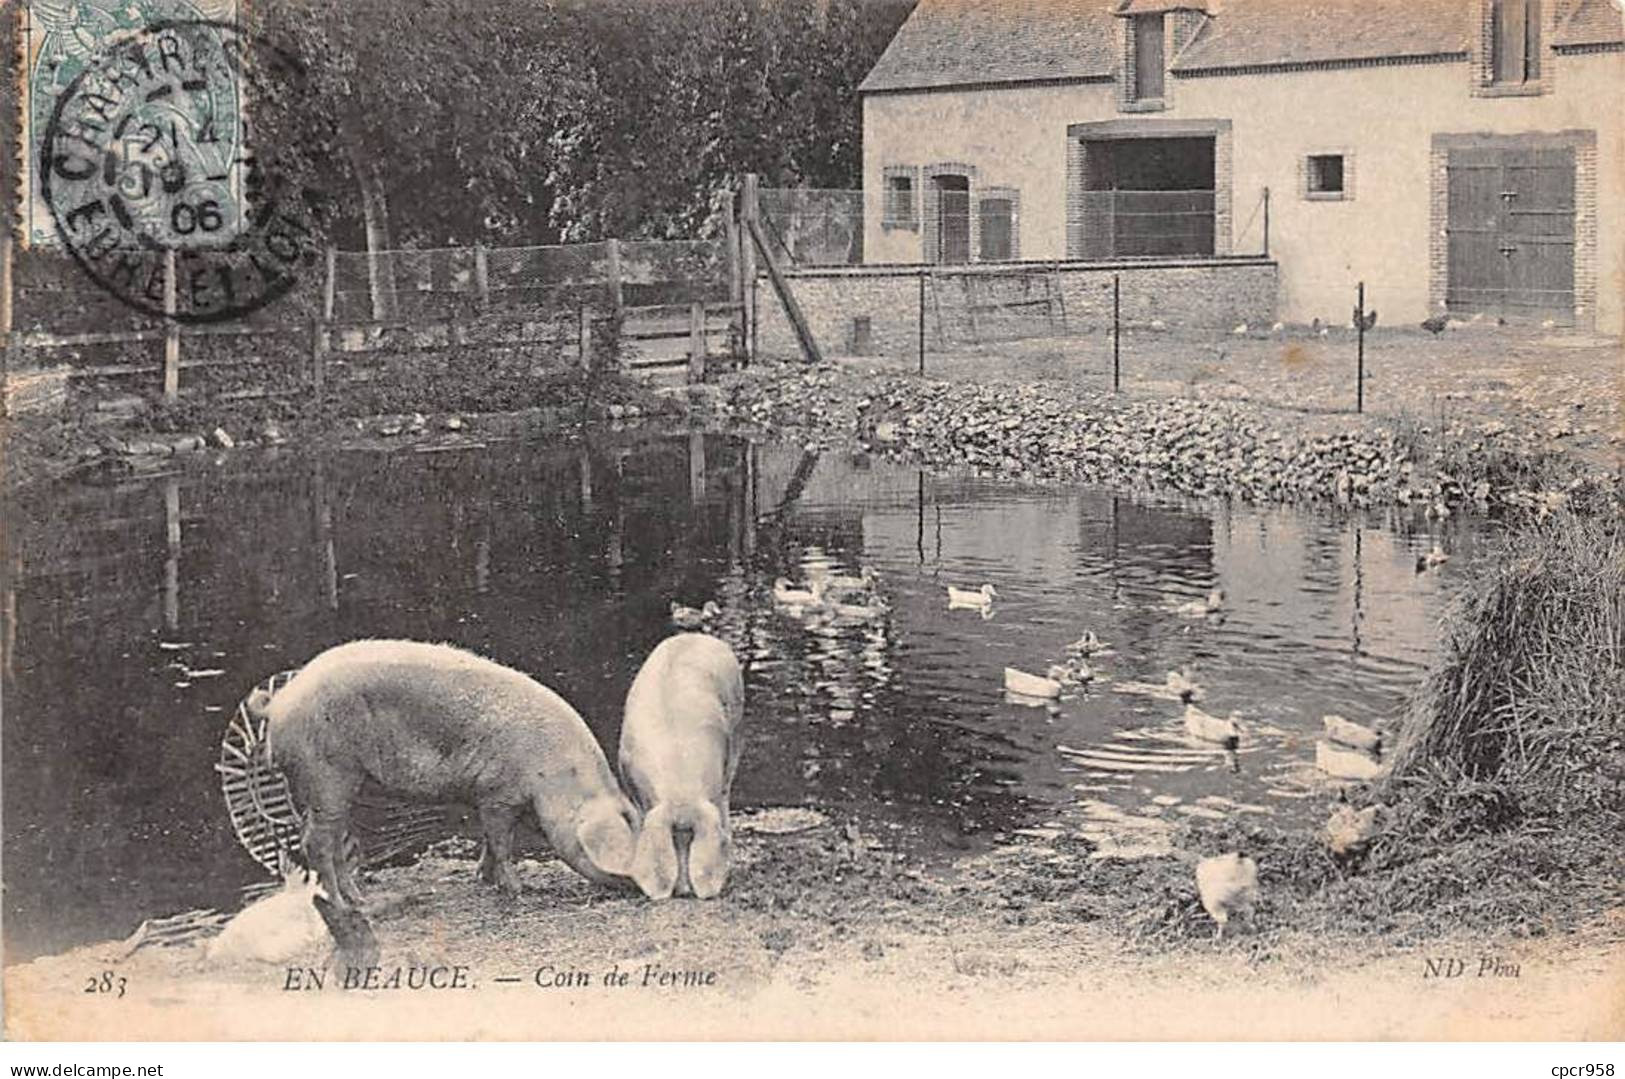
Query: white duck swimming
[(1201, 608), (1210, 728), (280, 928), (975, 599), (1086, 645), (693, 618), (844, 586), (1227, 885), (1181, 685), (1350, 733), (1432, 559), (1031, 685), (787, 595)]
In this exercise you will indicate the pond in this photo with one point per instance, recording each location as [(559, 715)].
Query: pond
[(138, 614)]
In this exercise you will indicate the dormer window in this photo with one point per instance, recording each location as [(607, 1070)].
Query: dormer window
[(1149, 62), (1514, 42)]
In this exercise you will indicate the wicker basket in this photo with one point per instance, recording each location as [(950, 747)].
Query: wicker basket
[(257, 797)]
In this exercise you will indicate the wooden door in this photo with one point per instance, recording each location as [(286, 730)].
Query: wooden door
[(953, 219), (1511, 232)]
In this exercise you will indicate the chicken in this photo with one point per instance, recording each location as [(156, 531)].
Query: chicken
[(1435, 324), (1227, 884)]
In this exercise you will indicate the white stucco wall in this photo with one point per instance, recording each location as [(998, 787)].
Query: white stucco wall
[(1385, 117)]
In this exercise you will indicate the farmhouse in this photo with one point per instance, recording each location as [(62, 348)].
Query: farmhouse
[(1460, 156)]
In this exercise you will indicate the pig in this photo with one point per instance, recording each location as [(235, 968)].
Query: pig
[(678, 754), (433, 723)]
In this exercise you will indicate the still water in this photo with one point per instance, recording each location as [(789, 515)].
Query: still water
[(138, 614)]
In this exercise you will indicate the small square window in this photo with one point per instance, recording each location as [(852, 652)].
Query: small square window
[(1325, 175)]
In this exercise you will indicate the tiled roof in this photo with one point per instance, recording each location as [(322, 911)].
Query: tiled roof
[(1594, 22), (955, 42), (969, 42)]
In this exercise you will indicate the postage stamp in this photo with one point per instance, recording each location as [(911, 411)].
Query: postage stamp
[(144, 166)]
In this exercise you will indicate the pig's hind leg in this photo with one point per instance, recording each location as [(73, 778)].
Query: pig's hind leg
[(496, 859)]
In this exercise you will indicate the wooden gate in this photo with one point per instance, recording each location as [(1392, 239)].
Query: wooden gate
[(1511, 230)]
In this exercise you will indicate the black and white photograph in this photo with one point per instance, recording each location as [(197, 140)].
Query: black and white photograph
[(813, 520)]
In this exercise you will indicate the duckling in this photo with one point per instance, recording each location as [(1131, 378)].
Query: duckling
[(1210, 728), (1181, 685), (283, 926), (690, 618), (1031, 685), (1350, 733), (1435, 557), (786, 594), (1227, 885), (1201, 608), (1349, 830), (980, 598)]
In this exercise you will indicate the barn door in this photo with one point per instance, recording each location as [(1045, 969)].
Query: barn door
[(1511, 229)]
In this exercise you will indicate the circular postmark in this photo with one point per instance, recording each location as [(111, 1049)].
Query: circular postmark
[(152, 182)]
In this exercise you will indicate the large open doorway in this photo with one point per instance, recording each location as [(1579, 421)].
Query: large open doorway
[(1148, 197)]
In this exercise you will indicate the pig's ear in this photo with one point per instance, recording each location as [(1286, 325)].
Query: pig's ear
[(654, 865), (606, 839), (708, 854)]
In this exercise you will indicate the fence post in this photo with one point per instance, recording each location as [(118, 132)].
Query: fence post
[(5, 281), (585, 341), (1117, 332), (172, 332), (615, 276), (1359, 338), (1266, 222), (696, 342), (482, 276), (10, 346), (922, 322), (749, 211), (318, 359), (330, 289), (736, 283)]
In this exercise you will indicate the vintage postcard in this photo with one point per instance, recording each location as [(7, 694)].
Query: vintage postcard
[(813, 519)]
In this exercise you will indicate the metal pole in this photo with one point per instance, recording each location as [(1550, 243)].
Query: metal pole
[(1359, 337), (1117, 332), (922, 322)]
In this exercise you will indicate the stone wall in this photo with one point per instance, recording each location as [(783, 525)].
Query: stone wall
[(875, 310)]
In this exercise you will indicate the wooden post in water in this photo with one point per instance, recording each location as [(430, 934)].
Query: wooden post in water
[(696, 343), (172, 561), (172, 331), (1359, 338), (696, 468), (5, 281), (323, 520), (585, 338), (736, 283)]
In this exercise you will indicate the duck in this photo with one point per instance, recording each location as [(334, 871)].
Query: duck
[(280, 928), (788, 595), (1086, 645), (1350, 733), (968, 597), (1182, 686), (1341, 762), (1076, 669), (1227, 885), (1031, 685), (1201, 608), (1210, 728), (1431, 559), (692, 618), (1349, 830), (862, 612), (840, 586)]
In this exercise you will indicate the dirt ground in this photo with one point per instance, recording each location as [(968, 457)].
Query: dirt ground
[(1569, 387), (823, 935)]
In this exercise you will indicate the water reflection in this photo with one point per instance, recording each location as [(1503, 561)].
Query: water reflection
[(137, 614)]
